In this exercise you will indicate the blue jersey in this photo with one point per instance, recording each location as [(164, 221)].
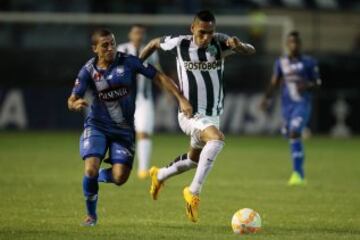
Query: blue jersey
[(293, 71), (114, 91)]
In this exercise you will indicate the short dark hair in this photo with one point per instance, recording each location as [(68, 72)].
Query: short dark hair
[(205, 16), (139, 25), (294, 34), (100, 32)]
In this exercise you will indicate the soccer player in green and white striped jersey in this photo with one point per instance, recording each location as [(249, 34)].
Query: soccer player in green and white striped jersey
[(200, 66)]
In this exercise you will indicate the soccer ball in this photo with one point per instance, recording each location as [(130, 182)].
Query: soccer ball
[(246, 220)]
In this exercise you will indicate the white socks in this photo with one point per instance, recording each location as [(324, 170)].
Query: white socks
[(181, 164), (206, 162), (144, 151)]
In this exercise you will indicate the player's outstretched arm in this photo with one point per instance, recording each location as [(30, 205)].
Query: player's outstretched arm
[(269, 93), (239, 47), (152, 46), (168, 84), (76, 104)]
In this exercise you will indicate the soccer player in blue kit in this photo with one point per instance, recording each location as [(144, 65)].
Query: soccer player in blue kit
[(297, 75), (111, 76)]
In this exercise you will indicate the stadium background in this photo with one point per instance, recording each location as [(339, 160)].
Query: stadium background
[(40, 59)]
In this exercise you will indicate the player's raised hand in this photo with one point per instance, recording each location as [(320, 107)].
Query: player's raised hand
[(185, 107), (264, 104)]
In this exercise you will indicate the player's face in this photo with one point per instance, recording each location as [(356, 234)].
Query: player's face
[(293, 45), (203, 32), (105, 48), (137, 35)]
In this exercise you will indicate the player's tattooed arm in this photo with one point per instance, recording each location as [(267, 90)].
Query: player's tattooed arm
[(234, 44), (76, 104), (169, 85), (269, 93), (152, 46), (239, 47)]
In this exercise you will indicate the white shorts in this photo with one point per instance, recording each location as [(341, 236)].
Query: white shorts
[(144, 115), (193, 126)]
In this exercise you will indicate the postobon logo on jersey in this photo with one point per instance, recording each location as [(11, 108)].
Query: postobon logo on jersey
[(202, 66)]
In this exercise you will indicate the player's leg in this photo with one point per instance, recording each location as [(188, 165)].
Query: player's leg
[(120, 173), (180, 164), (105, 174), (118, 153), (92, 149), (214, 142), (117, 174), (121, 157), (90, 189), (189, 160), (143, 148), (208, 135), (144, 126), (297, 156), (297, 123)]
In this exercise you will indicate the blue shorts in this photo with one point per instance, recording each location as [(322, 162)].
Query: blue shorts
[(94, 143), (296, 117)]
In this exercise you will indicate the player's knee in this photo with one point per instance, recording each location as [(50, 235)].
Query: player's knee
[(219, 136), (91, 172), (92, 167), (120, 179), (211, 134)]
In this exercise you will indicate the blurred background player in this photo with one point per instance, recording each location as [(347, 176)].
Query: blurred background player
[(144, 112), (297, 75), (109, 126), (200, 60)]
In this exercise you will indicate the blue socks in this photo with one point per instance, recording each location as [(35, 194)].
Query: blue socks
[(297, 154), (90, 189), (105, 175)]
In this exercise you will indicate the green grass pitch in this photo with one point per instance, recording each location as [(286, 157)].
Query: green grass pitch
[(41, 196)]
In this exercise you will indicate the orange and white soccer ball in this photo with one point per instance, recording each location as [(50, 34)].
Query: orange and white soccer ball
[(246, 220)]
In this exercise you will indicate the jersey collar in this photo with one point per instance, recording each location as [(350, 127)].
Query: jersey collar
[(115, 62)]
